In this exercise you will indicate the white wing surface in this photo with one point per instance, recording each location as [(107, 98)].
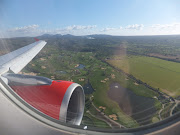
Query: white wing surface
[(15, 61)]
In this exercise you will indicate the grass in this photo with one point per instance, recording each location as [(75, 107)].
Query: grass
[(92, 121), (157, 104), (155, 72), (166, 111), (139, 89), (101, 99), (155, 119)]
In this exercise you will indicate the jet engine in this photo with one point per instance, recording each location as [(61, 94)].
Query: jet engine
[(61, 100)]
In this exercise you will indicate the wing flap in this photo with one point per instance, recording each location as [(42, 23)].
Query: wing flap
[(18, 59)]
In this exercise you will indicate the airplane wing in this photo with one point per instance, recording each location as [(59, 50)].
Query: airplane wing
[(15, 61)]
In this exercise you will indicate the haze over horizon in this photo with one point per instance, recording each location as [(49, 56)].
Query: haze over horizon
[(78, 17)]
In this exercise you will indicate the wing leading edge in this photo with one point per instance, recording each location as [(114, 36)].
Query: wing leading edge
[(15, 61)]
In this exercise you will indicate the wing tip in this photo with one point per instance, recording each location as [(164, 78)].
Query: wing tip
[(36, 39)]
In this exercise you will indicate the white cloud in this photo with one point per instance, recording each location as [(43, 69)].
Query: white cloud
[(25, 29), (75, 30), (129, 27), (166, 26), (111, 29), (135, 27), (107, 29), (29, 30), (165, 29), (35, 30), (80, 27)]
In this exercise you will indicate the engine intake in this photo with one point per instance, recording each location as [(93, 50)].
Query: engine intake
[(62, 100)]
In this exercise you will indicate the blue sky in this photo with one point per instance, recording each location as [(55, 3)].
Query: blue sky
[(84, 17)]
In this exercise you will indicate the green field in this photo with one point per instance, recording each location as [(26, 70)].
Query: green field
[(155, 72), (89, 120), (101, 99)]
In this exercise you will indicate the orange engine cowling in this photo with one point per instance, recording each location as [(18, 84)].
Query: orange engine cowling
[(62, 100)]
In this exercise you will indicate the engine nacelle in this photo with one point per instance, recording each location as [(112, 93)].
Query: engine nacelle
[(62, 100)]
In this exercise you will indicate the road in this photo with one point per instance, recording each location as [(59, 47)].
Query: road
[(100, 118), (161, 111), (172, 109)]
